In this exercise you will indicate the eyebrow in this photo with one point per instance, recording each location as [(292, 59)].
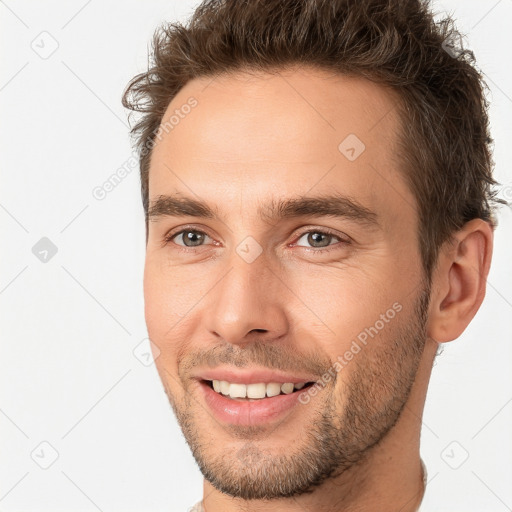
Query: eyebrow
[(332, 205)]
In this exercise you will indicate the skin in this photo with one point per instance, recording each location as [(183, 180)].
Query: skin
[(261, 136)]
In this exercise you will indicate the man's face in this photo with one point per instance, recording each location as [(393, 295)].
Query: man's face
[(295, 290)]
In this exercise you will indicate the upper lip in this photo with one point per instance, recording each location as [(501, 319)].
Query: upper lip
[(252, 376)]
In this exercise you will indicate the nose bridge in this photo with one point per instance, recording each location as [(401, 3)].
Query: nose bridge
[(247, 298)]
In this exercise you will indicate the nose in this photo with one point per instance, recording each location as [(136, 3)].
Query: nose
[(249, 298)]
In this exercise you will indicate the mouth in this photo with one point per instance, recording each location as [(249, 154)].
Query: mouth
[(249, 410), (255, 391)]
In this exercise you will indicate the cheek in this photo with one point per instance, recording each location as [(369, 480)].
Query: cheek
[(169, 293), (172, 296), (340, 303), (158, 302), (164, 315)]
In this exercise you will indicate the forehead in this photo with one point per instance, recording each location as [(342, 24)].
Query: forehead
[(289, 133)]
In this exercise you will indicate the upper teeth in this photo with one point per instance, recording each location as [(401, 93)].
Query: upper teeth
[(260, 390)]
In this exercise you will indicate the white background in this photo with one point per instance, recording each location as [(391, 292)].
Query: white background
[(68, 374)]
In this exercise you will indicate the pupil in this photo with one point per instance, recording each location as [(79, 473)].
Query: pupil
[(314, 239), (193, 238)]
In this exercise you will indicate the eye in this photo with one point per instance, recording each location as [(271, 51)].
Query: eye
[(318, 239), (188, 238)]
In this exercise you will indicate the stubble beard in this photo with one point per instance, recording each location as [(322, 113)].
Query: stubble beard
[(340, 434)]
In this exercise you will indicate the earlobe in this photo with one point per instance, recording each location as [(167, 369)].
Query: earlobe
[(460, 280)]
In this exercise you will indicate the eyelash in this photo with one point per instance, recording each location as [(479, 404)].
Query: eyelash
[(169, 237)]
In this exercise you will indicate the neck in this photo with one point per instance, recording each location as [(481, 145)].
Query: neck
[(390, 477)]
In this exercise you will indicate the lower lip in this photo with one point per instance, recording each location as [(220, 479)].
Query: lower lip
[(248, 413)]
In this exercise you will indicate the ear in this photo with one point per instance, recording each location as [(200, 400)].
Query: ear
[(459, 280)]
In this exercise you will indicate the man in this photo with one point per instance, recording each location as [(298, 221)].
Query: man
[(317, 182)]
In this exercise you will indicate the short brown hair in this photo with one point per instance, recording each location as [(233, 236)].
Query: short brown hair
[(396, 43)]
